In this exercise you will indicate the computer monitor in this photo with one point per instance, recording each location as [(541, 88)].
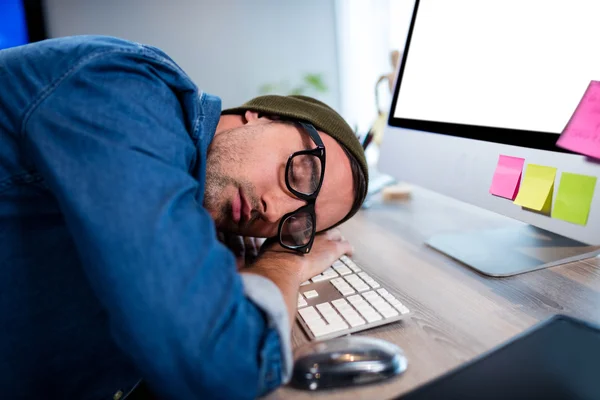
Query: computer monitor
[(480, 79), (21, 22)]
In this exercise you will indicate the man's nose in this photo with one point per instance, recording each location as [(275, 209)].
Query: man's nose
[(276, 205)]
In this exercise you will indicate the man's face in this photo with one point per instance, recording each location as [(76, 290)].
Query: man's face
[(245, 190)]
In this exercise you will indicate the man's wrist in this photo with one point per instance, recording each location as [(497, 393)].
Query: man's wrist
[(279, 269)]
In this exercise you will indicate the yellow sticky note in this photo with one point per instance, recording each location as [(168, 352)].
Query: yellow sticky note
[(536, 188), (574, 198)]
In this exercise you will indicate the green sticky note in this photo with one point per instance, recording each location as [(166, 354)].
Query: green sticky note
[(537, 188), (574, 198)]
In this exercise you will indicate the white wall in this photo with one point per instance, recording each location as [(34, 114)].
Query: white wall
[(364, 53), (228, 47)]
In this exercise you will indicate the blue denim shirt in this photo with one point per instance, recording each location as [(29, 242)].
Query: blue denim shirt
[(110, 269)]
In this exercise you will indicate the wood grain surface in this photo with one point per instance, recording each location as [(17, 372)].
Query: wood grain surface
[(457, 313)]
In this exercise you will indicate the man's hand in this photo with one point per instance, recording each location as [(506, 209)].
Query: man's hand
[(327, 247), (288, 269)]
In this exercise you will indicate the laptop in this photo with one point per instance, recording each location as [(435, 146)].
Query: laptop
[(556, 359)]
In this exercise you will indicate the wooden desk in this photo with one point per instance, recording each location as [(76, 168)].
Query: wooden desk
[(457, 313)]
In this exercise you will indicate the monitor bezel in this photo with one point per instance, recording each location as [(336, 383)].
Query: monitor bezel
[(522, 138), (35, 20)]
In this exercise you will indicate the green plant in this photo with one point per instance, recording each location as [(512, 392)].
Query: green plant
[(309, 83)]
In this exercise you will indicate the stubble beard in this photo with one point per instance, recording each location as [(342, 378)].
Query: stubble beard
[(220, 156)]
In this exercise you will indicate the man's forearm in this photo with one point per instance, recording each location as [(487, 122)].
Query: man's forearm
[(287, 278)]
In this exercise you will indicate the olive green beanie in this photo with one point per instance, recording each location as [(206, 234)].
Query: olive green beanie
[(317, 113)]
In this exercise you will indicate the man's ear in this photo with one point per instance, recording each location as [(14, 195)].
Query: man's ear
[(254, 117)]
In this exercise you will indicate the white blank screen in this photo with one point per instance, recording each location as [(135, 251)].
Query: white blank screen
[(517, 64)]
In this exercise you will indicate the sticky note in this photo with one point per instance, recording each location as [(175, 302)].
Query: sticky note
[(507, 177), (537, 188), (582, 132), (574, 198)]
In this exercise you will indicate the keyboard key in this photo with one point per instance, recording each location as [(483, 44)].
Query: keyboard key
[(354, 299), (364, 308), (387, 312), (345, 259), (310, 294), (383, 292), (330, 273), (403, 309), (356, 283), (353, 266), (337, 263), (327, 309), (344, 308), (349, 313), (354, 322), (342, 286), (301, 301), (376, 301), (332, 321), (398, 305), (388, 297), (338, 326), (339, 302), (347, 291), (372, 317), (337, 281), (371, 295), (381, 306), (319, 327), (361, 287), (352, 278), (345, 287), (343, 270), (327, 274), (370, 281), (394, 301), (367, 312), (323, 307), (305, 283), (309, 314), (333, 318)]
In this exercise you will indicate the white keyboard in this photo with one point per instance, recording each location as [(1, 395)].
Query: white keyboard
[(344, 299)]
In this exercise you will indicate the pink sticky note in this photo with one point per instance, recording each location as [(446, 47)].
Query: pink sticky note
[(507, 178), (582, 133)]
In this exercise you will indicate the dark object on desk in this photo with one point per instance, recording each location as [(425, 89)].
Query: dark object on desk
[(345, 362), (367, 139), (556, 359)]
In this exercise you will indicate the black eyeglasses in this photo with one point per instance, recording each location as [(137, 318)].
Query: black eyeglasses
[(303, 177)]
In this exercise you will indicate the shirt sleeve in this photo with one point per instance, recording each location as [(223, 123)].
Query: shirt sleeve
[(112, 140), (265, 294)]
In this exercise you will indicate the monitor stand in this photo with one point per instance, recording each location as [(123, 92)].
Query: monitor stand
[(511, 251)]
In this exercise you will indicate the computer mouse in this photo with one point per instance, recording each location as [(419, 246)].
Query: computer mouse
[(346, 361)]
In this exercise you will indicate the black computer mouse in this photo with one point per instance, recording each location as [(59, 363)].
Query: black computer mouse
[(346, 361)]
